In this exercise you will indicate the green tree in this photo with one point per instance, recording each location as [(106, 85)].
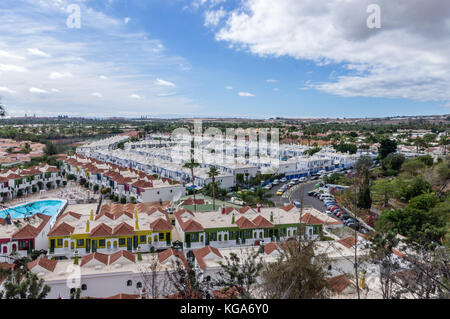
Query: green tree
[(298, 272), (387, 147), (383, 191), (213, 172), (192, 164), (240, 272), (21, 283)]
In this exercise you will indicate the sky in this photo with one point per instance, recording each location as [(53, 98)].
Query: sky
[(225, 58)]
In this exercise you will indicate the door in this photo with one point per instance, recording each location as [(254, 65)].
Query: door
[(94, 246), (188, 241), (88, 246), (207, 239), (52, 246), (242, 237), (129, 244), (135, 242)]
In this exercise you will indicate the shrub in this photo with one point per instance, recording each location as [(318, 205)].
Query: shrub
[(132, 200), (123, 200), (111, 196), (116, 198)]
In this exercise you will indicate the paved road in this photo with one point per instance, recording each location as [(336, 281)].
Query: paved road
[(295, 194)]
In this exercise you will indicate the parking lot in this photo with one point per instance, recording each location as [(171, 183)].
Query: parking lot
[(296, 193)]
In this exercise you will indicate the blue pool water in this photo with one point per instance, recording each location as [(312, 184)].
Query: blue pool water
[(46, 207)]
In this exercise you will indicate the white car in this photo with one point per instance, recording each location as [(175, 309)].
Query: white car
[(302, 179)]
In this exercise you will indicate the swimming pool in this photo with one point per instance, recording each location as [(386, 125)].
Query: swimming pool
[(50, 207)]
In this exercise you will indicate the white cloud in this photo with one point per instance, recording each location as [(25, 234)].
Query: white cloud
[(11, 67), (126, 20), (246, 94), (5, 54), (213, 17), (135, 96), (272, 81), (103, 49), (38, 90), (164, 83), (229, 87), (35, 51), (276, 89), (7, 90), (57, 75), (408, 57), (96, 94)]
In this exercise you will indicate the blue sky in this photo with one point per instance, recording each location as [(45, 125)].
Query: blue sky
[(235, 58)]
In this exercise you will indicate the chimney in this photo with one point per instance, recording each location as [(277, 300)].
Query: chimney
[(87, 226), (258, 207), (223, 209)]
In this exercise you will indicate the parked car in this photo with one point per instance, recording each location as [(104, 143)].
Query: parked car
[(276, 182), (280, 192), (297, 203), (332, 208), (267, 187), (339, 214), (283, 180), (329, 213), (364, 230), (314, 178), (311, 193), (302, 179)]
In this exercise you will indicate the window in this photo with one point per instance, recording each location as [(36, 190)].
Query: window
[(80, 242), (220, 237), (83, 287), (225, 237), (121, 241), (139, 285), (101, 243), (194, 237), (161, 236), (143, 239), (60, 242), (208, 278), (129, 283)]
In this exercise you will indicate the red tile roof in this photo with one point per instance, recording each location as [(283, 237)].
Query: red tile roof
[(123, 229), (62, 229), (262, 222), (348, 242), (44, 262), (288, 207), (97, 256), (122, 253), (162, 256), (28, 231), (160, 224), (310, 219), (199, 254), (101, 230), (244, 209), (244, 223), (270, 247), (339, 283)]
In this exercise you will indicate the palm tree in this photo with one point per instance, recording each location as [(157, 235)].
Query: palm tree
[(213, 172), (443, 141), (263, 196), (191, 164)]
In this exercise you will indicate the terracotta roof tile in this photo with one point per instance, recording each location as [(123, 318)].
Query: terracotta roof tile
[(44, 262), (161, 224), (101, 230), (62, 229), (310, 219), (122, 253), (97, 256), (199, 254), (244, 223)]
